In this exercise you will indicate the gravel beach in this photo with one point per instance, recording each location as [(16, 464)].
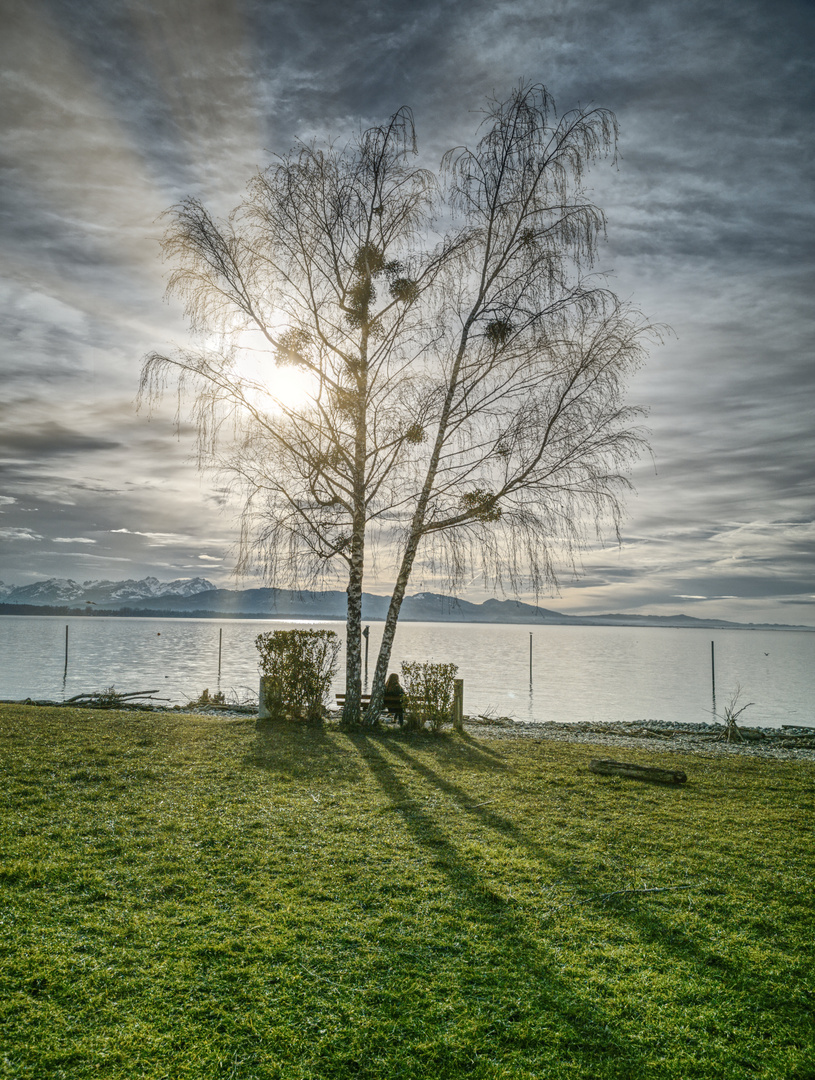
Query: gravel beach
[(788, 743)]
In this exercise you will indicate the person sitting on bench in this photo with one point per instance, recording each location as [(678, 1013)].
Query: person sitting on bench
[(393, 698)]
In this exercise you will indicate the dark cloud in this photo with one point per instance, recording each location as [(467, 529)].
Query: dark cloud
[(114, 109), (750, 586), (51, 439)]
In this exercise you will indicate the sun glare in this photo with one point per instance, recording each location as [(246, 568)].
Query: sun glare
[(274, 387)]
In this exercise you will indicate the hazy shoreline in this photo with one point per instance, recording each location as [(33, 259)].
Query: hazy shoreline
[(632, 622)]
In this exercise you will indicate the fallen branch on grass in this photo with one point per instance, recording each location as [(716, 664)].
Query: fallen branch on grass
[(110, 693), (605, 767), (111, 698)]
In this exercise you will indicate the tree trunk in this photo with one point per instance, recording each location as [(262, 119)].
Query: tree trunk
[(383, 659), (637, 772), (414, 537), (351, 712)]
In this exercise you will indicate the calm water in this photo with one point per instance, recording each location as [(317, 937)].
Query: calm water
[(578, 673)]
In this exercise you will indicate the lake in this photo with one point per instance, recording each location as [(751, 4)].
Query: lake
[(579, 673)]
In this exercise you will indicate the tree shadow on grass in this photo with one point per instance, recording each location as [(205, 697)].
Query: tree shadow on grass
[(632, 909), (298, 750), (302, 752), (454, 749), (584, 1029)]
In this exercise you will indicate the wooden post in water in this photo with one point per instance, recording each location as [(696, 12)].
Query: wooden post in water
[(530, 661), (65, 672), (220, 644), (713, 674), (458, 704), (365, 634)]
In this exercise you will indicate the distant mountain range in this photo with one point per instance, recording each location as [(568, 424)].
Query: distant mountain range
[(198, 597), (66, 591)]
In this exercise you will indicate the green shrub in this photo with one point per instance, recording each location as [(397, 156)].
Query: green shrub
[(298, 667), (428, 694)]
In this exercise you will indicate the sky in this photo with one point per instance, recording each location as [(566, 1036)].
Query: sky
[(113, 110)]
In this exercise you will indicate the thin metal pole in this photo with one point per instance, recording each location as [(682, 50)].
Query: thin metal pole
[(220, 643), (530, 661), (713, 673), (65, 672)]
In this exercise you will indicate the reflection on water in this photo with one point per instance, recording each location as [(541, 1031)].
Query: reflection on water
[(577, 673)]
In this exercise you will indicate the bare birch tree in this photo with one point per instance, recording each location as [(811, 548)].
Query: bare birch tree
[(464, 389), (532, 441)]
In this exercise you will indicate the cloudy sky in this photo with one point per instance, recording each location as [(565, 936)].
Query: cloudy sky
[(115, 109)]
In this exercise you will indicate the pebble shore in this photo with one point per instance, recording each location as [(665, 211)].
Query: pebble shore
[(787, 743)]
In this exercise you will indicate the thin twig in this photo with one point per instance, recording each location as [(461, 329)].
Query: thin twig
[(322, 978), (664, 888), (619, 892)]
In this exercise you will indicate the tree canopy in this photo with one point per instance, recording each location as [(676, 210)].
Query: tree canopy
[(463, 371)]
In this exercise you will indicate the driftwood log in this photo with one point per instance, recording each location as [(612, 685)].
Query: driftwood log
[(637, 772)]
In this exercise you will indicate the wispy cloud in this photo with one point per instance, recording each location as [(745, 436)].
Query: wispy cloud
[(87, 555), (158, 539), (19, 534)]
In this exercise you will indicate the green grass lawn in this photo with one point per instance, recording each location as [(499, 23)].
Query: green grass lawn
[(197, 897)]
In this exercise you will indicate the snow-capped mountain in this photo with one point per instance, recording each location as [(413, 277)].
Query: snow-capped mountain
[(145, 589), (52, 591), (66, 591)]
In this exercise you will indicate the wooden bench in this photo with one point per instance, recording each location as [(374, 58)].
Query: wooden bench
[(392, 704)]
